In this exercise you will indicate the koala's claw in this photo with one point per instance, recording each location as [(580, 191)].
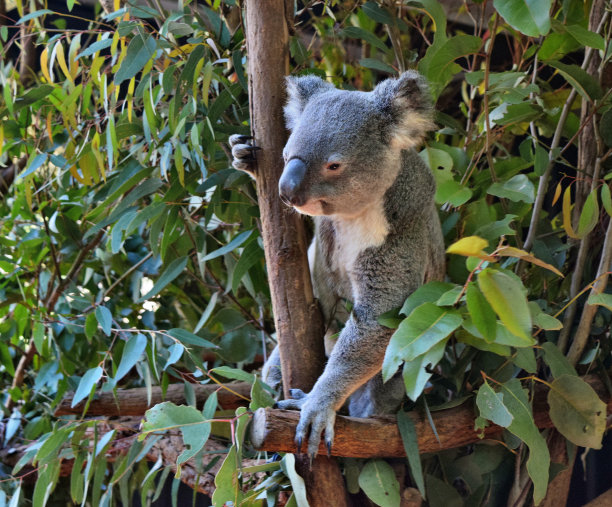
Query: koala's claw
[(316, 419), (243, 151)]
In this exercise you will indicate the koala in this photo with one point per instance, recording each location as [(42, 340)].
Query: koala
[(350, 164)]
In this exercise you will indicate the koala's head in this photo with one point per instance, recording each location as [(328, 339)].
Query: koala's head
[(344, 149)]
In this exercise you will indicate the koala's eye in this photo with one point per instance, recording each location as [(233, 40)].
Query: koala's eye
[(333, 167)]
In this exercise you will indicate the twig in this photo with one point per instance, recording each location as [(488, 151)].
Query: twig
[(588, 313)]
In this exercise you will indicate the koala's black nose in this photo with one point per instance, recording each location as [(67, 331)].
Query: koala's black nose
[(290, 182)]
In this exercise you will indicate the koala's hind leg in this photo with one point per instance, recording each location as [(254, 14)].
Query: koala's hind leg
[(271, 371), (376, 397), (244, 153)]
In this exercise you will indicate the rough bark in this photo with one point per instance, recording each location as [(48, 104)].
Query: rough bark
[(298, 321), (273, 430), (558, 489), (603, 500), (134, 401)]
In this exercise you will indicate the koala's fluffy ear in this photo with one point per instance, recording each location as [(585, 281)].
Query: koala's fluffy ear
[(299, 92), (407, 102)]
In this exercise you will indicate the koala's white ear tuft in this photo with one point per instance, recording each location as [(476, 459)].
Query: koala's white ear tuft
[(299, 92), (407, 101)]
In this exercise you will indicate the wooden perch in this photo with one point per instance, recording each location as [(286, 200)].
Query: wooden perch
[(274, 430), (134, 401)]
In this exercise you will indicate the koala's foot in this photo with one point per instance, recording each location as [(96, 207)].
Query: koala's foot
[(244, 153), (317, 415)]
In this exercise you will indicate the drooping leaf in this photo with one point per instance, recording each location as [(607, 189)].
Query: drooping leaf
[(481, 312), (235, 243), (589, 215), (606, 199), (416, 373), (188, 338), (227, 486), (297, 483), (556, 361), (378, 481), (411, 445), (567, 213), (491, 406), (356, 32), (576, 411), (105, 319), (132, 351), (139, 51), (86, 384), (510, 251), (174, 269), (523, 426), (175, 352), (583, 82), (506, 297)]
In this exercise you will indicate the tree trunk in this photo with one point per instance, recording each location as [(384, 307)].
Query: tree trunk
[(298, 321)]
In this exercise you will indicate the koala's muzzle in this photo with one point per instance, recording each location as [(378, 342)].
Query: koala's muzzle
[(290, 182)]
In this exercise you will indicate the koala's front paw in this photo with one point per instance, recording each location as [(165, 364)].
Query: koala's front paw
[(317, 415), (243, 152)]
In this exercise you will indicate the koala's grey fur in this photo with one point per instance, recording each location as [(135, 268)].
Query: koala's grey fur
[(377, 232)]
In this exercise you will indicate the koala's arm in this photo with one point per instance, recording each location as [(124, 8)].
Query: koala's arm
[(385, 281)]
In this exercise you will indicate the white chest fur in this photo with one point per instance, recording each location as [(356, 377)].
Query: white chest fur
[(356, 234)]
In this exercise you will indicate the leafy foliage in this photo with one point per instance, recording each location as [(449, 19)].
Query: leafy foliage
[(131, 254)]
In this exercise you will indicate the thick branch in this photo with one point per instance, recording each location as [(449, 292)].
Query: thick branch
[(134, 401), (274, 430)]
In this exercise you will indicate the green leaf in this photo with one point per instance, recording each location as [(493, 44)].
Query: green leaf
[(442, 494), (491, 406), (556, 361), (194, 427), (586, 37), (589, 215), (530, 17), (33, 15), (91, 325), (583, 82), (104, 318), (463, 336), (210, 307), (260, 397), (233, 373), (576, 411), (175, 352), (604, 300), (132, 351), (378, 481), (87, 383), (439, 66), (523, 426), (518, 188), (606, 200), (428, 293), (34, 165), (139, 51), (95, 47), (481, 312), (416, 373), (355, 32), (377, 13), (251, 254), (191, 339), (34, 95), (411, 445), (297, 483), (174, 269), (374, 64), (506, 296), (232, 245), (452, 192), (227, 485), (524, 358), (38, 335), (543, 320), (426, 326)]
